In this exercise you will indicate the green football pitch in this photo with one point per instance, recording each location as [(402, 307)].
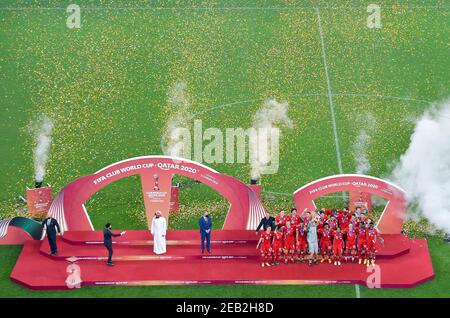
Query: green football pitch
[(105, 85)]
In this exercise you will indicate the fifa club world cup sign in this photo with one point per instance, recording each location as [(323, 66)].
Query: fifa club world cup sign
[(38, 200), (391, 220), (156, 173)]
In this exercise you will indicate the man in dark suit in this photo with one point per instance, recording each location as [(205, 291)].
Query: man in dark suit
[(205, 224), (107, 241), (51, 227), (267, 221)]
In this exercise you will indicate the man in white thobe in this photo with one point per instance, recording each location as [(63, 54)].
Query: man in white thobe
[(158, 230)]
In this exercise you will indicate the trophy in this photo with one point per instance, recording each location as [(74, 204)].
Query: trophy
[(156, 186)]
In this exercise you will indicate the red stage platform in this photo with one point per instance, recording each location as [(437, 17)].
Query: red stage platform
[(403, 262)]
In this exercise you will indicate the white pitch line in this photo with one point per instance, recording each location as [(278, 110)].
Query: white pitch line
[(333, 115), (330, 94), (357, 291)]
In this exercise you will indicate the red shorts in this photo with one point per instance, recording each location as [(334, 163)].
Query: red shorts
[(337, 249), (351, 246), (277, 247), (289, 244), (265, 249), (301, 246), (361, 245), (371, 246), (325, 246)]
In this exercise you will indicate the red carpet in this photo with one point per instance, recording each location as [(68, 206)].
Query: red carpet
[(403, 262)]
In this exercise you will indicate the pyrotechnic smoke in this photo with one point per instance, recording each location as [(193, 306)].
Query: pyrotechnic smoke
[(43, 138), (178, 104), (272, 114), (424, 169), (362, 142)]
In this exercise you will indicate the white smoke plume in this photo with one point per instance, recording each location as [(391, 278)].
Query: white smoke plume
[(178, 104), (363, 141), (272, 114), (43, 129), (424, 169)]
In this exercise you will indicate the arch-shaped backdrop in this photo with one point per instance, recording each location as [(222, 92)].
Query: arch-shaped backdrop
[(156, 174), (391, 220)]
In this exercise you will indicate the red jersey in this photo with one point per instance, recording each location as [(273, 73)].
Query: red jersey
[(338, 243), (277, 240), (362, 218), (355, 224), (306, 219), (336, 214), (332, 224), (326, 236), (302, 233), (281, 220), (362, 235), (351, 237), (289, 239), (371, 235), (338, 240), (290, 232), (344, 220), (322, 222), (267, 237), (295, 219)]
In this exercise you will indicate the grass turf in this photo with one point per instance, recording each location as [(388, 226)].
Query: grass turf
[(105, 86)]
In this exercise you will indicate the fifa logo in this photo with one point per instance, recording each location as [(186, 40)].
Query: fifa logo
[(156, 186)]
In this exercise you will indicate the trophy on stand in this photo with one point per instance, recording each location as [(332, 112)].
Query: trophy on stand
[(156, 186)]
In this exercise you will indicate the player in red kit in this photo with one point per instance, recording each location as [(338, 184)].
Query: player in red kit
[(306, 217), (294, 217), (281, 219), (277, 245), (354, 222), (371, 239), (338, 245), (335, 212), (332, 223), (302, 232), (289, 242), (344, 220), (325, 243), (350, 245), (364, 219), (322, 220), (361, 243), (266, 246)]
